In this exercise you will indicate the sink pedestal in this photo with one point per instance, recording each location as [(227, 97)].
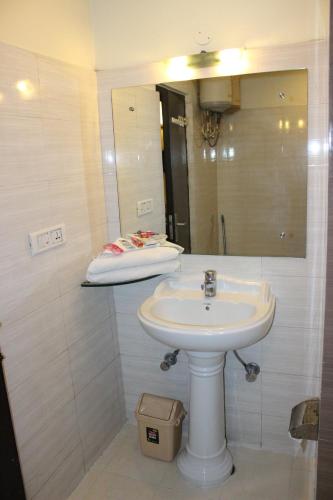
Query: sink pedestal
[(206, 459)]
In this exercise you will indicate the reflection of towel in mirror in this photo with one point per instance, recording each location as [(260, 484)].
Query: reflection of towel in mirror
[(119, 275), (146, 256), (166, 243)]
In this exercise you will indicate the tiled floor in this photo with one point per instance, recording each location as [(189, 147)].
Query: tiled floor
[(122, 473)]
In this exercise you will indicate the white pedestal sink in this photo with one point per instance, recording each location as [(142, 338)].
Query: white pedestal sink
[(179, 315)]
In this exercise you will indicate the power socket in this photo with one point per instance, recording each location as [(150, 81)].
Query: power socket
[(44, 239), (144, 207)]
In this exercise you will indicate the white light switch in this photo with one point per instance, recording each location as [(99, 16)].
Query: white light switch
[(44, 239), (144, 207)]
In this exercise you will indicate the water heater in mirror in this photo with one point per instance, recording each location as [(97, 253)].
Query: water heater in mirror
[(220, 94)]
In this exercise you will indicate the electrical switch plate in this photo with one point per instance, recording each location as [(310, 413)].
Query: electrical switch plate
[(144, 207), (47, 238)]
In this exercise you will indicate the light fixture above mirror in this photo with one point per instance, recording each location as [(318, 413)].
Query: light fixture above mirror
[(226, 62)]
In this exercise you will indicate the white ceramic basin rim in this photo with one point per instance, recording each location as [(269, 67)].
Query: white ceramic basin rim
[(179, 315)]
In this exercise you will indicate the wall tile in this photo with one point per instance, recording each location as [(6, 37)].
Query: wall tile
[(246, 267), (95, 198), (241, 395), (131, 401), (302, 484), (59, 89), (35, 401), (281, 392), (83, 310), (22, 168), (65, 479), (50, 173), (62, 148), (317, 192), (98, 413), (144, 375), (73, 259), (299, 301), (90, 355), (294, 351), (28, 285), (18, 70), (48, 449), (317, 134), (68, 203), (243, 427), (129, 297), (275, 435), (22, 209), (31, 343)]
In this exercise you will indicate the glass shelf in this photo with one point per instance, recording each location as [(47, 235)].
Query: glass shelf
[(89, 284)]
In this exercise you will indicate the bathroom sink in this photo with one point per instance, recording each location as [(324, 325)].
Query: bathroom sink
[(207, 315), (178, 313)]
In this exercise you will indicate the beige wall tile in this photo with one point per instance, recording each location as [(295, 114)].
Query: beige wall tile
[(31, 343), (51, 172), (19, 89), (99, 413), (45, 452), (65, 479)]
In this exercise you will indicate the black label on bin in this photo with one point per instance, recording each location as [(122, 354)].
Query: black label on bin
[(152, 435)]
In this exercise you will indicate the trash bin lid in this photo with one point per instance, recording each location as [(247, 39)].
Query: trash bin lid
[(156, 406)]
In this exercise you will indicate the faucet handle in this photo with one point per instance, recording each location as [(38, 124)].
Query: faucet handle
[(210, 275)]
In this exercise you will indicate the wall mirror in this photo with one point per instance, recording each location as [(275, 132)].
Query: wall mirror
[(219, 164)]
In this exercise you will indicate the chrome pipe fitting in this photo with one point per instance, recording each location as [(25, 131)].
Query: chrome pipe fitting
[(170, 359)]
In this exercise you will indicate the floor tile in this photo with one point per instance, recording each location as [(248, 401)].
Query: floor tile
[(123, 473)]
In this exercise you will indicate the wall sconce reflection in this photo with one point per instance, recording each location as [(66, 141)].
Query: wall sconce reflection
[(228, 153), (25, 88), (314, 147), (209, 153), (108, 156), (284, 124), (212, 154)]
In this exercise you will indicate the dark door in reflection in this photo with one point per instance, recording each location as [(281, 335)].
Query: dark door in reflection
[(175, 167)]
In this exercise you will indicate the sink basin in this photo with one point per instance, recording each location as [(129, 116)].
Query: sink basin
[(178, 314)]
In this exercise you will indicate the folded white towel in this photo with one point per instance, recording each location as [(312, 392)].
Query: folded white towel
[(166, 243), (134, 273), (147, 256)]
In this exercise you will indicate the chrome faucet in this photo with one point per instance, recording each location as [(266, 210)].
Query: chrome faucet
[(209, 285)]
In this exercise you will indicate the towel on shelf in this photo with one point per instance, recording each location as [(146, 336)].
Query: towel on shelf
[(119, 275), (144, 257), (166, 243)]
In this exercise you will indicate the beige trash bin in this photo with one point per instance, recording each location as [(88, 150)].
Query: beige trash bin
[(160, 426)]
